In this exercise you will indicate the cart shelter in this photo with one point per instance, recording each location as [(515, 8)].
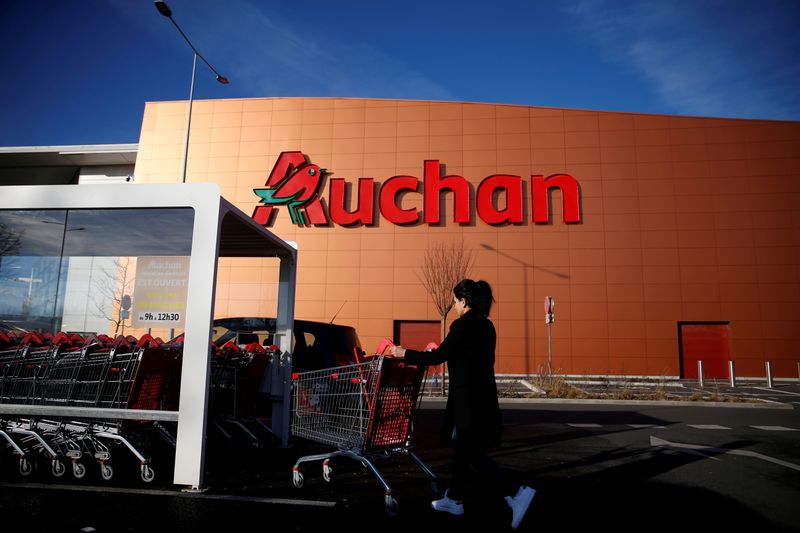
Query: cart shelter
[(157, 220)]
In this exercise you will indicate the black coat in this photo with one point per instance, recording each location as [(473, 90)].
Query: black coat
[(472, 406)]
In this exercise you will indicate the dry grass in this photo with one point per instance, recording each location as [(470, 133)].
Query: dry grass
[(556, 385)]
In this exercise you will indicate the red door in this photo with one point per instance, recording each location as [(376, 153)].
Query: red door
[(707, 342), (416, 334)]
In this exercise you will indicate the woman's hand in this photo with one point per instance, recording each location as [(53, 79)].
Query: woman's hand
[(398, 352)]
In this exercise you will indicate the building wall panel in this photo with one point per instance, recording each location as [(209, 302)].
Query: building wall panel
[(683, 219)]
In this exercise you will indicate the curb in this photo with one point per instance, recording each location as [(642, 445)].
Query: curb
[(765, 404)]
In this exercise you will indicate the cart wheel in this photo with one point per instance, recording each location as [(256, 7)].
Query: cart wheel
[(297, 479), (78, 470), (25, 467), (148, 474), (106, 472), (326, 472), (58, 468), (392, 505)]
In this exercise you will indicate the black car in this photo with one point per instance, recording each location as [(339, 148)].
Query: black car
[(315, 344)]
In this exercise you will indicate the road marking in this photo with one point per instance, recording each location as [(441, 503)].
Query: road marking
[(585, 425), (531, 386), (707, 426), (777, 390), (644, 426), (697, 449), (775, 428), (175, 494)]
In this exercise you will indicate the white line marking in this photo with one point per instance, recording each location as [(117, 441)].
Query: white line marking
[(531, 386), (777, 390), (644, 426), (707, 426), (697, 449), (585, 425), (775, 428), (175, 494)]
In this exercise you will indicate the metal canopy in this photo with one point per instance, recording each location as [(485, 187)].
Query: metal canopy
[(241, 236)]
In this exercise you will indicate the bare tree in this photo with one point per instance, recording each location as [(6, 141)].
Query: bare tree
[(443, 267), (10, 240), (111, 285), (10, 243)]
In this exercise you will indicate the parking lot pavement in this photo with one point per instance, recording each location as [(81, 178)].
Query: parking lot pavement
[(620, 467)]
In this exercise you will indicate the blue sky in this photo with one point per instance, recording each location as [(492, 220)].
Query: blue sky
[(79, 72)]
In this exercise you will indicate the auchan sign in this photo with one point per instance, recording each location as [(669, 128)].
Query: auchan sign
[(295, 183)]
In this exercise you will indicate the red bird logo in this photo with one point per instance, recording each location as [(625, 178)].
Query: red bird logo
[(293, 182)]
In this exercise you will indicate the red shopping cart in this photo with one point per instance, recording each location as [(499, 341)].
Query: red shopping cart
[(364, 410)]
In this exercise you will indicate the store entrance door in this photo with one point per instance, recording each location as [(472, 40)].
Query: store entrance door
[(704, 341)]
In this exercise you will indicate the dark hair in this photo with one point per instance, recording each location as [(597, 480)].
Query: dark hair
[(477, 294)]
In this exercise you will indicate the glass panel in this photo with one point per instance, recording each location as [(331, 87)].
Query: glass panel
[(131, 232), (30, 252), (76, 270)]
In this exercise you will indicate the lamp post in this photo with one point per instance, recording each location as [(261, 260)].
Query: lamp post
[(53, 327), (164, 9), (26, 305)]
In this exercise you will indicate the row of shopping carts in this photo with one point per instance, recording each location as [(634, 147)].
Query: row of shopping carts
[(99, 372), (238, 410), (364, 411)]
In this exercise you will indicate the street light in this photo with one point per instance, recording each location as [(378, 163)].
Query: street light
[(164, 9), (60, 261), (26, 305)]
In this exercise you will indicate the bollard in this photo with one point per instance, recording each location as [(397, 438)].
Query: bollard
[(769, 374), (732, 373), (700, 373)]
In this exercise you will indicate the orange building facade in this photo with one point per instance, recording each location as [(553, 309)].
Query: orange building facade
[(686, 245)]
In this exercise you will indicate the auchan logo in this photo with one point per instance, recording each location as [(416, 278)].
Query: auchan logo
[(296, 183)]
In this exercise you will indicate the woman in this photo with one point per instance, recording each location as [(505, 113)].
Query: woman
[(472, 419)]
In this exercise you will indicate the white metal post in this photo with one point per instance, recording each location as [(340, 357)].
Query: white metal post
[(700, 372), (281, 370), (549, 349), (193, 406), (732, 373), (549, 318)]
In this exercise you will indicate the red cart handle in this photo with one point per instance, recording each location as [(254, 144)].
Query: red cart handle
[(385, 343)]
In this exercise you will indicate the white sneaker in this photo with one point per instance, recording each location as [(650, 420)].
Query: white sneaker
[(519, 504), (447, 505)]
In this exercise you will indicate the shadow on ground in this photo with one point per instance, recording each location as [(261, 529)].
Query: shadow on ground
[(611, 489)]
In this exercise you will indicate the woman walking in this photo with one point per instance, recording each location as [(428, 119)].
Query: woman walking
[(472, 420)]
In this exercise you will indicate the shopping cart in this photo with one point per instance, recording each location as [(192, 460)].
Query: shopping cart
[(364, 410), (237, 373)]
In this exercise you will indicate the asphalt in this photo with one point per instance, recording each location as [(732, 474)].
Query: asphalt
[(586, 477)]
